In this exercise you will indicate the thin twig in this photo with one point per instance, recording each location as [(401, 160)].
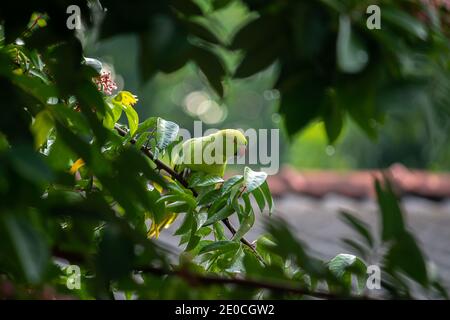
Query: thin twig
[(162, 166), (29, 29), (252, 247)]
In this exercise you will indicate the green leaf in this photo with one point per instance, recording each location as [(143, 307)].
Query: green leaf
[(206, 180), (263, 41), (231, 182), (223, 213), (344, 265), (391, 214), (333, 118), (209, 197), (133, 118), (406, 256), (405, 22), (287, 246), (259, 197), (113, 116), (200, 218), (142, 139), (359, 248), (148, 124), (440, 288), (59, 155), (359, 226), (158, 209), (115, 254), (221, 246), (220, 4), (267, 195), (187, 7), (193, 240), (42, 125), (253, 179), (202, 32), (257, 33), (178, 206), (258, 59), (35, 87), (164, 47), (30, 165), (352, 57), (94, 63), (219, 233), (357, 94), (248, 205), (301, 100), (166, 133), (211, 66), (233, 194), (185, 225), (340, 263), (231, 261), (246, 223), (31, 249)]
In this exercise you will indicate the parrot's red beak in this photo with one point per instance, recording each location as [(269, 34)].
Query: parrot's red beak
[(241, 151)]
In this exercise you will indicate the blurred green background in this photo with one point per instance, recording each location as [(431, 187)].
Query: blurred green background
[(417, 138)]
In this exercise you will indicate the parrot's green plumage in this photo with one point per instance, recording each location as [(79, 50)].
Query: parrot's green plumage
[(209, 154)]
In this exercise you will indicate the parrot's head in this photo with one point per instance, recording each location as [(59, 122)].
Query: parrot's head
[(236, 140)]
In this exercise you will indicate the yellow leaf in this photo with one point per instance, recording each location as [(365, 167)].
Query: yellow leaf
[(126, 98), (156, 228), (76, 166), (157, 187)]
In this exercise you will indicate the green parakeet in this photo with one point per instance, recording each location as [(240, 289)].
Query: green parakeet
[(209, 154)]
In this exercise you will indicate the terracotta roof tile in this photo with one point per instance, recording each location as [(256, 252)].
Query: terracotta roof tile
[(359, 184)]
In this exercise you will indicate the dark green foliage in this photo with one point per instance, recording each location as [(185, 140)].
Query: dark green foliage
[(79, 188), (331, 64)]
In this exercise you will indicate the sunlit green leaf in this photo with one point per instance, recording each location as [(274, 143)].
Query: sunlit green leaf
[(253, 179), (344, 265), (166, 133)]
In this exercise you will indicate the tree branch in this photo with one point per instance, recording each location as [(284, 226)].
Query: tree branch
[(162, 166), (195, 278), (206, 280)]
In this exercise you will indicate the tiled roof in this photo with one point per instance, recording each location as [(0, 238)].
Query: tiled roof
[(359, 184)]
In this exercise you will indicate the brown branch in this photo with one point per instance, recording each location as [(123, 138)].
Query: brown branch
[(29, 29), (233, 231), (162, 166), (207, 280), (200, 279)]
